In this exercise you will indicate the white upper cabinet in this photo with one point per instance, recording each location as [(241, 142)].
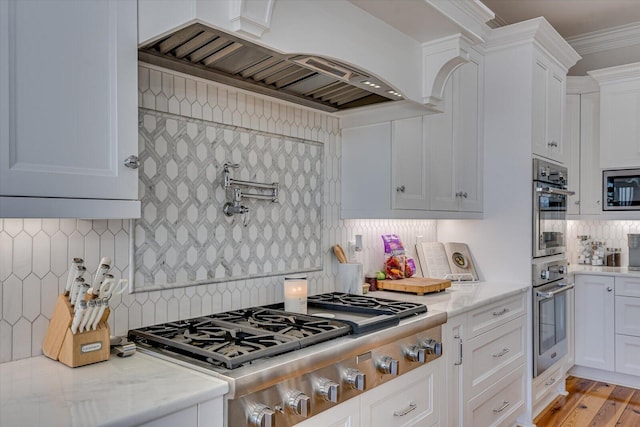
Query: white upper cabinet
[(68, 112), (422, 166), (408, 162), (455, 141), (619, 115), (548, 109), (582, 140)]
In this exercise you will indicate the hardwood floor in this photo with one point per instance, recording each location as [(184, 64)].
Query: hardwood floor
[(593, 404)]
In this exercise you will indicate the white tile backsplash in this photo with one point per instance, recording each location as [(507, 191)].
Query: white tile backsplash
[(612, 233), (35, 254)]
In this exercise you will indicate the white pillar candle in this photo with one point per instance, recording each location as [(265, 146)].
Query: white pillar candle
[(295, 295)]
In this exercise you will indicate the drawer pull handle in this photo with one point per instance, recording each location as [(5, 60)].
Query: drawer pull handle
[(502, 353), (402, 412), (501, 312), (551, 381), (502, 408)]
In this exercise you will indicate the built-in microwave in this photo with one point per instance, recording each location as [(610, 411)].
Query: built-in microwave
[(621, 190)]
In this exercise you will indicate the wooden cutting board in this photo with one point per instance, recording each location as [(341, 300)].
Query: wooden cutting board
[(417, 285)]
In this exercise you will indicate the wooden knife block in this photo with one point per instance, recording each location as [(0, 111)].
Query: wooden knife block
[(76, 350)]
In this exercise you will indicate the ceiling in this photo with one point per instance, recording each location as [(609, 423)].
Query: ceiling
[(568, 17)]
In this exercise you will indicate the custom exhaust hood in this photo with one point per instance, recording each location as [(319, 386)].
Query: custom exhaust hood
[(311, 81)]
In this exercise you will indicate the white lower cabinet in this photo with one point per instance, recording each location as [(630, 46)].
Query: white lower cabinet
[(413, 399), (595, 321), (608, 327), (486, 351), (204, 414)]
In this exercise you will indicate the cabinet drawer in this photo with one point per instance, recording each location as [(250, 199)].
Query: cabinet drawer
[(405, 401), (488, 317), (501, 404), (546, 382), (628, 355), (628, 286), (493, 353), (628, 316)]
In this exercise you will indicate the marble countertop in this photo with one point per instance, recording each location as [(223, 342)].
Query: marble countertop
[(118, 392), (460, 298), (602, 270)]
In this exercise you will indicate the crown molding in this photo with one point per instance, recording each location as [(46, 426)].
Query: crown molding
[(616, 74), (470, 15), (610, 38), (536, 30), (577, 85)]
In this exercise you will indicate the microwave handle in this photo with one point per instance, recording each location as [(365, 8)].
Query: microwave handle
[(551, 294), (549, 190)]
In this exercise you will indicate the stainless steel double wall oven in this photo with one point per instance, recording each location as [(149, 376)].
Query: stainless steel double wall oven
[(550, 266)]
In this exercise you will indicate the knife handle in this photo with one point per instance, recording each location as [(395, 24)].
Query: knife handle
[(77, 317), (91, 307)]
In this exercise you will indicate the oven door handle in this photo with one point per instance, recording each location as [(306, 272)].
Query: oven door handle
[(551, 190), (551, 294)]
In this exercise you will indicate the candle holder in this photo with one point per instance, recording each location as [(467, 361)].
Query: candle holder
[(295, 294)]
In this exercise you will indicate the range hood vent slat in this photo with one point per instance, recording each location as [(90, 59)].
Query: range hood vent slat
[(208, 49), (307, 80), (193, 44), (228, 50)]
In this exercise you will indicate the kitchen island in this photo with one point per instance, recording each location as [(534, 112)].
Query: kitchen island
[(118, 392)]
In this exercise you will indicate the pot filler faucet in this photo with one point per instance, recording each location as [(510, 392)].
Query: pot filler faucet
[(235, 206)]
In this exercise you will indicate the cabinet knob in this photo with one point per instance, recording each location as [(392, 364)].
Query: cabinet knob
[(132, 162), (577, 202), (552, 144), (464, 194), (400, 189), (609, 289)]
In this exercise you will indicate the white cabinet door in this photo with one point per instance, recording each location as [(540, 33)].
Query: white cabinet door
[(453, 335), (409, 165), (68, 81), (366, 171), (595, 331), (620, 133), (455, 141), (590, 171), (548, 110), (572, 141)]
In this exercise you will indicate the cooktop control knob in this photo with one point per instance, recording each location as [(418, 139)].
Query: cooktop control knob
[(388, 365), (262, 416), (355, 379), (415, 353), (328, 390), (299, 403), (432, 346)]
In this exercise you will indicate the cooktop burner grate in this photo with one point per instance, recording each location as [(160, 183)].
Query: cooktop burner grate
[(359, 303)]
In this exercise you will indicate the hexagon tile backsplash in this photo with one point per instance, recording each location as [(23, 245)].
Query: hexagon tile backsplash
[(34, 253)]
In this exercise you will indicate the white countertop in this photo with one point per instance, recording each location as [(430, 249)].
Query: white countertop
[(602, 270), (460, 298), (118, 392)]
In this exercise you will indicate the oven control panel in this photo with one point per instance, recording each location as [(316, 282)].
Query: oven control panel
[(308, 393)]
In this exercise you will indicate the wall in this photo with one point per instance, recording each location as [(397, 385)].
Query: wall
[(34, 254)]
